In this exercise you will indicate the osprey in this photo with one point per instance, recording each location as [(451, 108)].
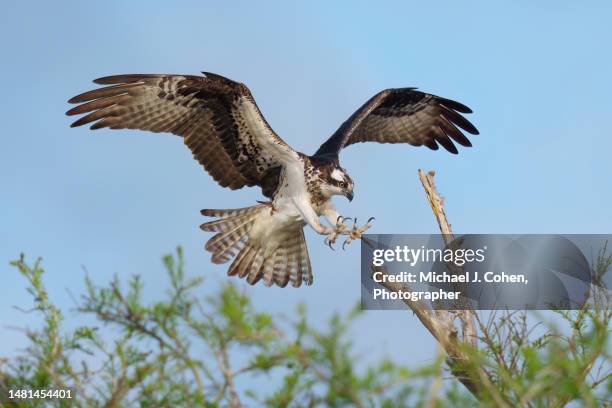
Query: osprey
[(221, 124)]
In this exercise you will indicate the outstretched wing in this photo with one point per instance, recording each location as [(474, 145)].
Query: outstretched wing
[(403, 115), (217, 118)]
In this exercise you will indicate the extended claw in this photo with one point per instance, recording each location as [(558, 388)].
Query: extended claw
[(331, 239), (356, 232), (367, 225), (338, 229), (340, 223), (347, 241)]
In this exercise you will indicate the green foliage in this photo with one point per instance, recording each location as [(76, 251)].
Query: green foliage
[(187, 350), (568, 362), (182, 351)]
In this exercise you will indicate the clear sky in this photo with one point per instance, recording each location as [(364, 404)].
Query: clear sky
[(536, 74)]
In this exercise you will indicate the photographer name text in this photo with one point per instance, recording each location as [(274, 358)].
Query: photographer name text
[(412, 256)]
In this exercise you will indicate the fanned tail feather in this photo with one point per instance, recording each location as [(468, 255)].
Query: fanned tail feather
[(221, 225), (276, 253)]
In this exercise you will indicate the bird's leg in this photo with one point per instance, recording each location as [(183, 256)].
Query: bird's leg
[(336, 221), (339, 228), (356, 232), (312, 219)]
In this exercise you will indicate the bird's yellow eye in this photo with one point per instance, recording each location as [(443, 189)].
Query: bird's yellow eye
[(342, 184)]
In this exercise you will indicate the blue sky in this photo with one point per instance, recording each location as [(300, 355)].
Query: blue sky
[(536, 75)]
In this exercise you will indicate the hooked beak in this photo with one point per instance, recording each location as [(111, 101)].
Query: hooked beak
[(349, 194)]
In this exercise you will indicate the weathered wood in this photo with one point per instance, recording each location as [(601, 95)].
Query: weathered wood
[(443, 324)]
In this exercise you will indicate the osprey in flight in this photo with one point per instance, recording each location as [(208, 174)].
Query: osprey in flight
[(221, 124)]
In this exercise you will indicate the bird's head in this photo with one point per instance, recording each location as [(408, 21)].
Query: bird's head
[(337, 182)]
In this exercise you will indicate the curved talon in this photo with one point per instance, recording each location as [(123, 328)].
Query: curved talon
[(352, 233), (356, 232), (329, 242), (341, 220)]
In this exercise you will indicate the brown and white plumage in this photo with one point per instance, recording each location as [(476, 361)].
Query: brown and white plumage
[(217, 118), (260, 251), (403, 115), (221, 124)]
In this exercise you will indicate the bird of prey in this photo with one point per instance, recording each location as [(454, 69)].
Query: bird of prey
[(221, 124)]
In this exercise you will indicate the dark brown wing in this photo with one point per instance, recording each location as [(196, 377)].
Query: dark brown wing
[(217, 118), (403, 115)]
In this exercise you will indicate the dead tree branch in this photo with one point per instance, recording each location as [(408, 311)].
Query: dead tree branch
[(466, 316), (445, 325)]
